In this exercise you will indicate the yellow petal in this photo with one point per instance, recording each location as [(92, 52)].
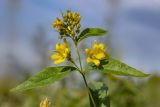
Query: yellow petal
[(66, 50), (56, 56), (87, 50), (96, 62), (95, 45), (58, 46), (101, 46), (100, 55), (65, 55), (89, 60), (59, 61), (95, 42)]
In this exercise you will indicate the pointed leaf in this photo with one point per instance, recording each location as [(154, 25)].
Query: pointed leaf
[(99, 94), (113, 66), (45, 77), (91, 32)]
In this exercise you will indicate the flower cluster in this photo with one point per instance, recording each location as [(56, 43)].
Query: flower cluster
[(69, 25)]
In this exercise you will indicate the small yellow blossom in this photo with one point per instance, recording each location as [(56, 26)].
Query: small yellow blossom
[(58, 24), (62, 52), (96, 54), (45, 103)]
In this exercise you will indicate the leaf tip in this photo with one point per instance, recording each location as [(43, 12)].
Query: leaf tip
[(146, 75)]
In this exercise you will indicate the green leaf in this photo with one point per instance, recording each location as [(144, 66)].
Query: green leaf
[(45, 77), (113, 66), (91, 32), (99, 94)]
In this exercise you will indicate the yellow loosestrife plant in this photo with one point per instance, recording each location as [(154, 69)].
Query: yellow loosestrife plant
[(69, 27)]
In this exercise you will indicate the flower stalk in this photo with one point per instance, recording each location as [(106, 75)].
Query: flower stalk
[(83, 74), (69, 26)]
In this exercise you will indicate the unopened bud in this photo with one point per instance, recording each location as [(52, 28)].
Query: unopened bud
[(64, 17), (78, 26), (73, 23), (69, 28), (72, 33), (65, 42), (69, 13)]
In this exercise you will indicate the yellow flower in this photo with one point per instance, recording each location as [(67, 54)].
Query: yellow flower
[(62, 52), (58, 24), (96, 54), (45, 103)]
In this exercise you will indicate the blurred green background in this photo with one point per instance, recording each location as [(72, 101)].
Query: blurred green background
[(27, 38)]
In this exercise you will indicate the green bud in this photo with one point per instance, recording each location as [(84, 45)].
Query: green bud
[(64, 40), (78, 26), (72, 33), (64, 17), (67, 32), (69, 14), (73, 23)]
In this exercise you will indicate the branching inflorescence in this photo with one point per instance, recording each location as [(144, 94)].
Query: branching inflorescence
[(69, 26)]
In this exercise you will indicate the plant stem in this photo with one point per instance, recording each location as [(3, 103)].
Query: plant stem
[(88, 89), (83, 75), (75, 65), (79, 58)]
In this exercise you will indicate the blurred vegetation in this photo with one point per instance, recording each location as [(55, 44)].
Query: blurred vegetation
[(124, 92)]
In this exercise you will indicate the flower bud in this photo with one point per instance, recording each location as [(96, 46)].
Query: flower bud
[(69, 14), (78, 26), (69, 28), (64, 17), (72, 33)]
